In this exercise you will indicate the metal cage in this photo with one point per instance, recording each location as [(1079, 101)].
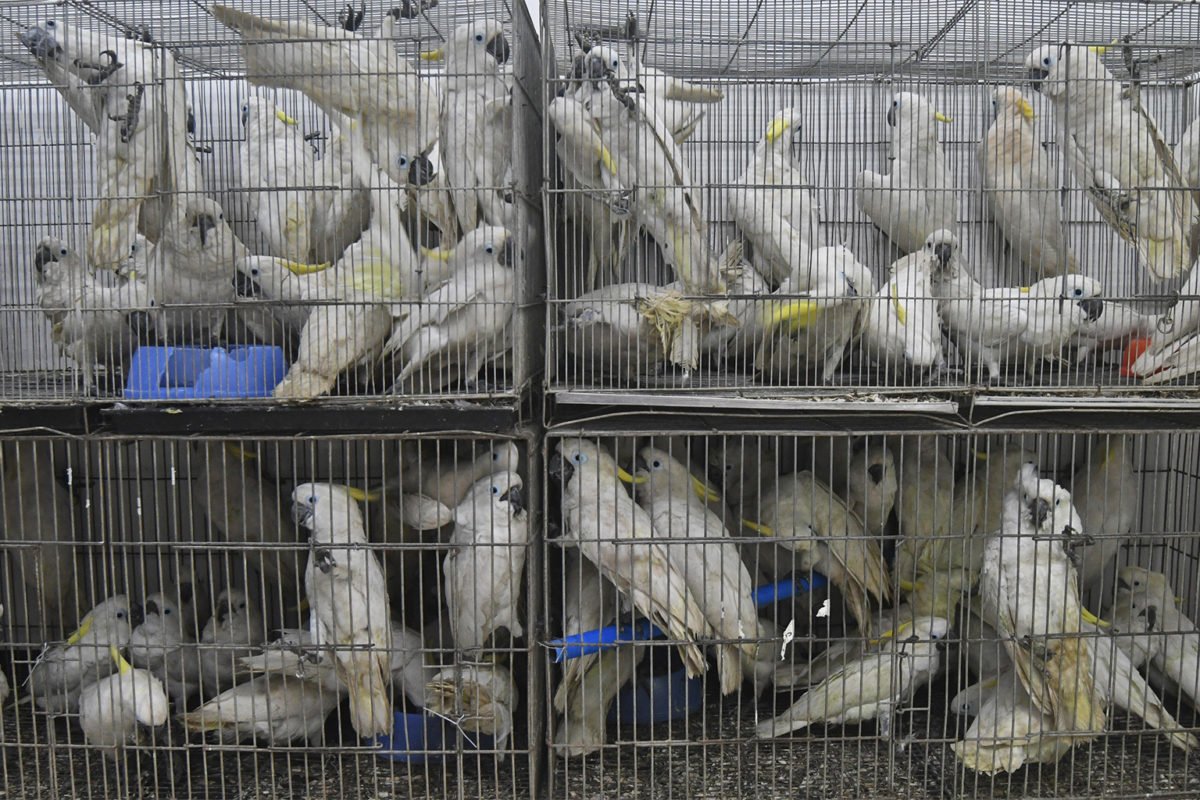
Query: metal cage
[(108, 536), (827, 560), (172, 208), (699, 162)]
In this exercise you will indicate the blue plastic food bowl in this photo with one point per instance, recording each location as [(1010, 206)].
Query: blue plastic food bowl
[(649, 701), (183, 373), (420, 738)]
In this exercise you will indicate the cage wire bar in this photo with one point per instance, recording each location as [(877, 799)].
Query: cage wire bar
[(201, 562), (245, 175), (678, 134), (743, 521)]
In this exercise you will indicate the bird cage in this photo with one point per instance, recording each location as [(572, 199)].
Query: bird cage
[(311, 616), (195, 210), (761, 610), (775, 200)]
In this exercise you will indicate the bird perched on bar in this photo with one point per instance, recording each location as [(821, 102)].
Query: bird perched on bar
[(1117, 155), (390, 112)]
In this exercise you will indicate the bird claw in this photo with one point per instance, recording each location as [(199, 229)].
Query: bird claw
[(103, 71), (325, 561), (351, 20)]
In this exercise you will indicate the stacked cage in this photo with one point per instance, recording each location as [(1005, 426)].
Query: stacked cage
[(818, 611), (280, 199), (300, 616), (778, 200)]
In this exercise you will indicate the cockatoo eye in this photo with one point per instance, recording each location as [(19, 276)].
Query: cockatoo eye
[(1048, 61), (51, 23), (1057, 503), (166, 612), (656, 464), (495, 490), (120, 615), (1078, 292), (489, 249), (62, 251), (615, 62), (312, 499), (402, 161), (579, 458), (896, 103), (495, 456), (479, 37), (254, 272)]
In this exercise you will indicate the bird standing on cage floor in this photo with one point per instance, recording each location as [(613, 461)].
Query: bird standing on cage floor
[(874, 686), (93, 323), (348, 601), (236, 625), (64, 669), (902, 332), (916, 197), (1029, 587)]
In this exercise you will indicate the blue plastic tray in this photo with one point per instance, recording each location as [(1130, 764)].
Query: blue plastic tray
[(416, 738), (649, 701), (183, 373)]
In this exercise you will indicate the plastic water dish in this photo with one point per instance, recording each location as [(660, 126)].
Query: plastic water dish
[(420, 738), (649, 701), (184, 373)]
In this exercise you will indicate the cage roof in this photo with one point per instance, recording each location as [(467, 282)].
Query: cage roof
[(203, 45), (958, 39)]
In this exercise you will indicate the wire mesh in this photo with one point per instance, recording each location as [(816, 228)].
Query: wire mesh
[(351, 185), (242, 624), (747, 200), (848, 638)]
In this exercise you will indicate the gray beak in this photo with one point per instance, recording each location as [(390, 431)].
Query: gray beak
[(303, 515), (204, 223), (1093, 307), (1040, 509), (943, 253), (420, 172), (42, 257), (245, 286), (514, 498), (891, 117), (152, 607), (1036, 76), (136, 615), (245, 117), (876, 472), (561, 469), (507, 256), (40, 42), (597, 70), (498, 49)]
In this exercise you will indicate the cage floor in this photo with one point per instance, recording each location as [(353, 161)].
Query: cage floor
[(1084, 380), (65, 387), (711, 756), (44, 760)]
